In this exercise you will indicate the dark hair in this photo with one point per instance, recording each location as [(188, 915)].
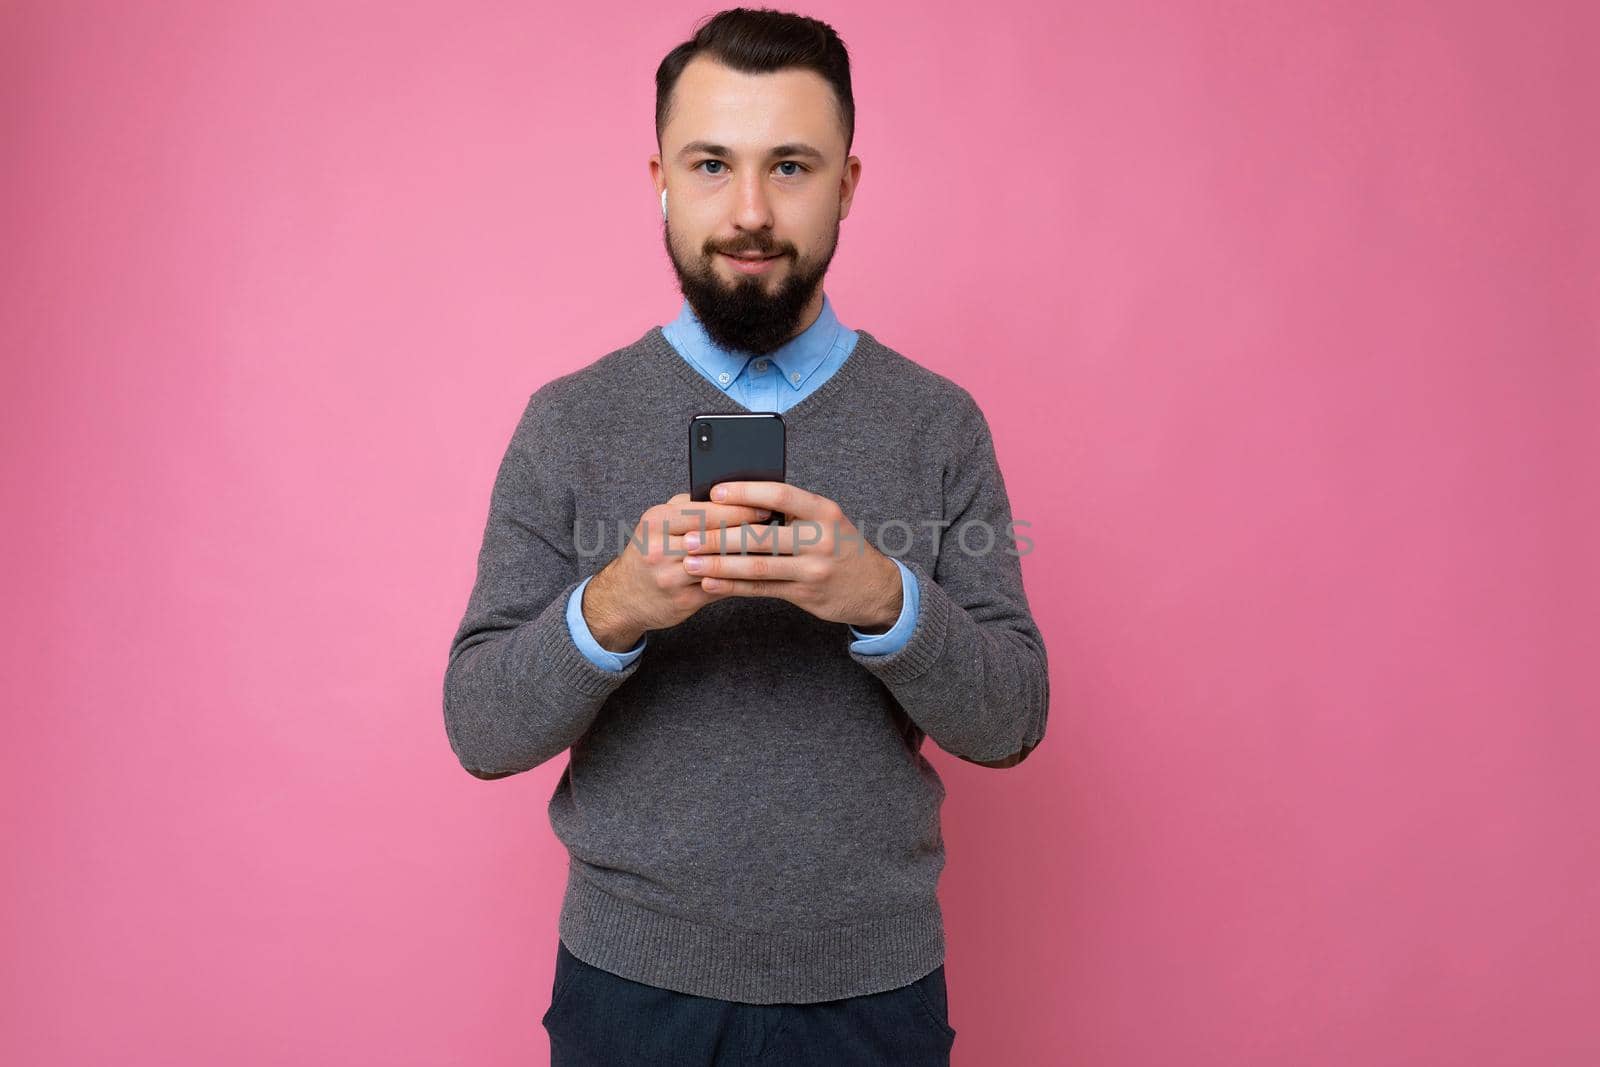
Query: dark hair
[(760, 41)]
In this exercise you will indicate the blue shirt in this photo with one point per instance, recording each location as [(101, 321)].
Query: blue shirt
[(775, 381)]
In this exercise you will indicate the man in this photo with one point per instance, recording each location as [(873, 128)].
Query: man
[(753, 832)]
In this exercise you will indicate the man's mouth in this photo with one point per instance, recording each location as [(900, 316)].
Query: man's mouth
[(750, 263)]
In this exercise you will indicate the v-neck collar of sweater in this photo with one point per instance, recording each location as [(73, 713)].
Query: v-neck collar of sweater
[(865, 351)]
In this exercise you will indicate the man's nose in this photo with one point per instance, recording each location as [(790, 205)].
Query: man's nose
[(753, 209)]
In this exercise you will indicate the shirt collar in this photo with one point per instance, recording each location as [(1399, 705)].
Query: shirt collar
[(796, 359)]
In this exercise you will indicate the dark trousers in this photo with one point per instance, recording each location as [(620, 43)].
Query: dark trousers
[(599, 1019)]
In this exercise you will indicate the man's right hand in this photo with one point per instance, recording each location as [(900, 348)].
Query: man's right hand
[(646, 587)]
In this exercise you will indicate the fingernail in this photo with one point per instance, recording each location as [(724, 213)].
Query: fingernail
[(694, 563), (691, 540), (719, 493)]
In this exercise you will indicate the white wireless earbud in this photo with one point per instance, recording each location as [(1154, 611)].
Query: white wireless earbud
[(663, 203)]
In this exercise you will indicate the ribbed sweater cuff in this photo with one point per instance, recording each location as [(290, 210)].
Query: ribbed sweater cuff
[(571, 667), (922, 651)]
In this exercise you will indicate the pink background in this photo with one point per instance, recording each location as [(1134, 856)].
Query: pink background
[(1284, 315)]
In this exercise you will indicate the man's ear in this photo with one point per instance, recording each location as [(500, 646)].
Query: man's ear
[(847, 184), (658, 176)]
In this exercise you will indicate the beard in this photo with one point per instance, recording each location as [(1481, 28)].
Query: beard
[(742, 315)]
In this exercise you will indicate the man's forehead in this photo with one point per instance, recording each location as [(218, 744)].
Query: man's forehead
[(751, 112)]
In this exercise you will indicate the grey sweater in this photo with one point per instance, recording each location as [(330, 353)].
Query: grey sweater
[(746, 808)]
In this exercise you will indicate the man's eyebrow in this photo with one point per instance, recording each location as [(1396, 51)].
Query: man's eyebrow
[(794, 148)]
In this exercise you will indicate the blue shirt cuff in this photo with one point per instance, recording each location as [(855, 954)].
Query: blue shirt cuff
[(897, 635), (603, 658)]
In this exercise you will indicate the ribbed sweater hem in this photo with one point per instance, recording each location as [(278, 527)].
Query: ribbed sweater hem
[(753, 966)]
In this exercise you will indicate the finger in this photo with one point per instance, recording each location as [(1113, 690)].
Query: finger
[(744, 587), (677, 552), (755, 568), (780, 497), (703, 515), (760, 537)]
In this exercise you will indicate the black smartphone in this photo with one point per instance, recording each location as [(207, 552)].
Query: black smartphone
[(747, 447)]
